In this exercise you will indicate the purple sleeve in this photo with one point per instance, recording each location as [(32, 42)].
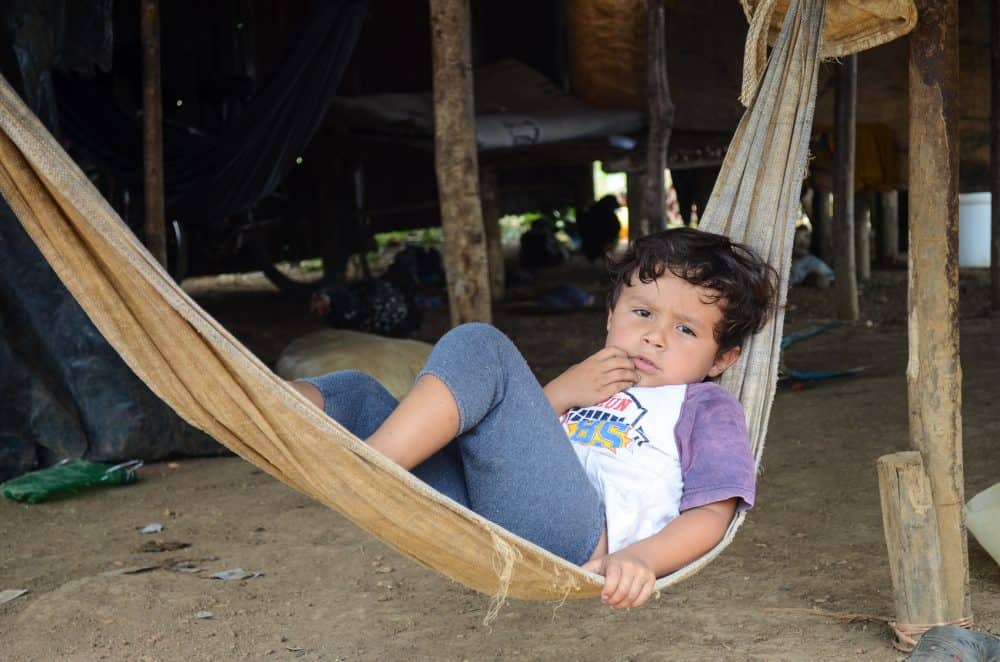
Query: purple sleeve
[(714, 448)]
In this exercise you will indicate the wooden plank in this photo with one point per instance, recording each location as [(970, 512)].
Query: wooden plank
[(490, 191), (889, 224), (822, 224), (911, 538), (465, 256), (155, 226), (845, 102), (659, 120), (934, 373), (995, 155), (863, 233)]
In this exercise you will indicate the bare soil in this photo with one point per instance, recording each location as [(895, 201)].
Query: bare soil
[(812, 549)]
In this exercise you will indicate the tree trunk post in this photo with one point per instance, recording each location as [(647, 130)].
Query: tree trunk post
[(659, 120), (843, 189), (155, 226), (911, 538), (934, 372), (889, 238), (490, 190), (635, 182), (994, 155), (822, 223), (456, 164), (863, 234)]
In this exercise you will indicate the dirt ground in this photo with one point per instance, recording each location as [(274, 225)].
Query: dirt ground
[(332, 592)]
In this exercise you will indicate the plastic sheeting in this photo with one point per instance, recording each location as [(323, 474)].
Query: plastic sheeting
[(66, 392)]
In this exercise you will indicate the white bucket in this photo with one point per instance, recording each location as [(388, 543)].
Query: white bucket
[(974, 229), (982, 517)]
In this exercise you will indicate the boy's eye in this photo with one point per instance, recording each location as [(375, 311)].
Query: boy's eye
[(683, 328), (642, 312)]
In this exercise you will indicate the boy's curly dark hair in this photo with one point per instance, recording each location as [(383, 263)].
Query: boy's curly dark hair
[(746, 285)]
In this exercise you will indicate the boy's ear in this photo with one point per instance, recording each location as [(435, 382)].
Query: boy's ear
[(723, 361)]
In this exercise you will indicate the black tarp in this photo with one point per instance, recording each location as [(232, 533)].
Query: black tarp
[(65, 392)]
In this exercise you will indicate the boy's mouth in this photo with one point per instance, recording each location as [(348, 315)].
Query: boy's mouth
[(642, 364)]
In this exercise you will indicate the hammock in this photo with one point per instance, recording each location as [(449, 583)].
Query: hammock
[(217, 385)]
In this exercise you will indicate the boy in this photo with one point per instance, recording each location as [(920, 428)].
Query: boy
[(657, 460)]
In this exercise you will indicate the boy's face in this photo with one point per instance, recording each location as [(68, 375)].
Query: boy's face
[(667, 328)]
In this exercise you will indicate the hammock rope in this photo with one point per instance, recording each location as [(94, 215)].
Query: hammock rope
[(217, 385)]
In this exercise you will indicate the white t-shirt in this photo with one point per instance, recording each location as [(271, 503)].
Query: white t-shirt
[(627, 447)]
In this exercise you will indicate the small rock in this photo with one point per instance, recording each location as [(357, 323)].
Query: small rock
[(203, 614)]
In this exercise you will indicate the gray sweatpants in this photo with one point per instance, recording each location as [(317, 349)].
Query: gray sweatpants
[(511, 461)]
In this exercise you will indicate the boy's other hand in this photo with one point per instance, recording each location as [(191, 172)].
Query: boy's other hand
[(593, 380), (628, 579)]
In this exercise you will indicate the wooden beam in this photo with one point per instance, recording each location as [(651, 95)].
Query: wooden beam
[(889, 224), (659, 121), (490, 190), (911, 538), (995, 154), (822, 224), (863, 234), (155, 226), (634, 182), (465, 255), (843, 189), (934, 374)]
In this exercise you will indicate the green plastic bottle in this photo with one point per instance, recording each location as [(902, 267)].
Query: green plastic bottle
[(68, 477)]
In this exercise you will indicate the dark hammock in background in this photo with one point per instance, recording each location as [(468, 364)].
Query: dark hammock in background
[(67, 392), (211, 177)]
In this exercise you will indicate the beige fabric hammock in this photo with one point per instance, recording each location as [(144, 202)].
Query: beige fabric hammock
[(217, 385)]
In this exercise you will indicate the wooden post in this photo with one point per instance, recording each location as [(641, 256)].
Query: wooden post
[(889, 238), (490, 190), (659, 120), (843, 189), (863, 234), (994, 155), (934, 372), (822, 242), (911, 537), (634, 194), (155, 226), (456, 164)]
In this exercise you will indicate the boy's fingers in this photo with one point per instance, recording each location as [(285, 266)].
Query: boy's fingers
[(632, 599), (644, 594), (618, 599), (612, 576)]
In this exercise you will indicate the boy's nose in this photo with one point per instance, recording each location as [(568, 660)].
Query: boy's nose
[(653, 338)]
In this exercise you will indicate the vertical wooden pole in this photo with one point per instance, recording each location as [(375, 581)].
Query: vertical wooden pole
[(889, 238), (490, 190), (843, 189), (911, 538), (822, 243), (995, 154), (659, 120), (934, 372), (635, 183), (456, 164), (155, 227), (862, 234)]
